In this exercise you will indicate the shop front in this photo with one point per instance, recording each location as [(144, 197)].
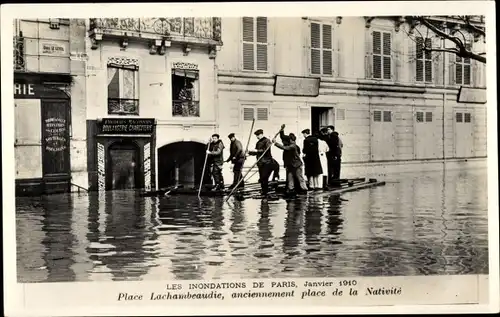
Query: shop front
[(121, 154), (42, 133)]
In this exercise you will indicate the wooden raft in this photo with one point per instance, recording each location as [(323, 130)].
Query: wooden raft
[(252, 190)]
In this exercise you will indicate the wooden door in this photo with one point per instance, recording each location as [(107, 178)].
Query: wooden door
[(463, 133), (56, 144), (123, 170), (383, 135), (425, 134)]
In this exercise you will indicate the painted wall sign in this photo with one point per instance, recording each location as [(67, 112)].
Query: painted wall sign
[(101, 172), (55, 136), (52, 48), (471, 95), (78, 56), (126, 126), (37, 91), (296, 86), (147, 166)]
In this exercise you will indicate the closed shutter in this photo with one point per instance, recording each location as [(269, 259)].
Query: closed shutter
[(248, 114), (248, 43), (420, 59), (451, 69), (262, 114), (327, 50), (438, 64), (315, 48), (428, 117), (262, 43), (428, 61), (458, 71), (377, 116), (387, 55), (377, 54)]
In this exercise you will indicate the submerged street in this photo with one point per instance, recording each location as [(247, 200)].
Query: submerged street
[(417, 224)]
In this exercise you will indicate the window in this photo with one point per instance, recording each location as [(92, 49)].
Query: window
[(377, 116), (387, 116), (257, 113), (321, 49), (459, 117), (467, 117), (382, 55), (382, 116), (254, 43), (185, 93), (421, 118), (123, 92), (424, 60), (463, 69)]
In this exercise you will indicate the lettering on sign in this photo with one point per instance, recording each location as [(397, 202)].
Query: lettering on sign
[(147, 166), (101, 172), (53, 49), (184, 65), (55, 138), (296, 86), (24, 90), (471, 95), (78, 56), (127, 126)]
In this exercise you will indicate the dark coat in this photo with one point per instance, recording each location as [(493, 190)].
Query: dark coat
[(236, 152), (262, 145), (216, 152), (333, 143), (291, 155), (311, 158)]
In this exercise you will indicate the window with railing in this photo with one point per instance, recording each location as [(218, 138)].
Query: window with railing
[(185, 93), (123, 92)]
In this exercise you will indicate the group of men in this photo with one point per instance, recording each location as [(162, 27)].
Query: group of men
[(317, 157)]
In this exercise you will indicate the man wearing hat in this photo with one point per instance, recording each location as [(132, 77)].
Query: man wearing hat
[(334, 155), (265, 164), (313, 169), (215, 153), (237, 157)]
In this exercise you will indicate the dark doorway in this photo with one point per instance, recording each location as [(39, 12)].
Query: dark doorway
[(321, 117), (123, 166), (181, 163)]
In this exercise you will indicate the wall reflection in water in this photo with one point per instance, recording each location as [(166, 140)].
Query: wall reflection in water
[(432, 223)]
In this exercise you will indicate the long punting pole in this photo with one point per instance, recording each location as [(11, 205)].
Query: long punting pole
[(232, 191), (203, 173)]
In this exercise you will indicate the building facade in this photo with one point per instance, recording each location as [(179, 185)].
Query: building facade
[(49, 99), (159, 87)]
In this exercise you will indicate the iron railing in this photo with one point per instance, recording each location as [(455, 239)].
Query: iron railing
[(185, 108), (123, 106), (200, 28), (19, 61)]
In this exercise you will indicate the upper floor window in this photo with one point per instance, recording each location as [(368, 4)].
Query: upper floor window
[(382, 55), (255, 47), (423, 60), (185, 93), (123, 86), (321, 49), (463, 69)]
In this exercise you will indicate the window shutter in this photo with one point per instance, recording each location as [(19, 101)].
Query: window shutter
[(438, 64), (262, 43), (451, 67), (420, 116), (327, 50), (387, 55), (315, 48), (248, 43), (377, 116), (387, 116), (458, 116), (262, 114), (467, 74), (368, 55), (428, 61), (419, 59), (467, 117), (377, 58), (428, 117), (113, 82), (248, 114), (458, 73)]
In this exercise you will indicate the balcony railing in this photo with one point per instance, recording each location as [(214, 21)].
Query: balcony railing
[(19, 62), (187, 29), (185, 108), (123, 106)]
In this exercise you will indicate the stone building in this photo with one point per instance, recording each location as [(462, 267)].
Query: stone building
[(49, 98)]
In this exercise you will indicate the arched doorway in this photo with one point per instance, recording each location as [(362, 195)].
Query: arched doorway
[(123, 166), (181, 163)]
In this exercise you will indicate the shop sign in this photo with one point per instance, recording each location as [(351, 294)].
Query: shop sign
[(37, 91), (471, 95), (101, 172), (126, 126), (296, 86), (147, 166), (52, 48), (55, 134)]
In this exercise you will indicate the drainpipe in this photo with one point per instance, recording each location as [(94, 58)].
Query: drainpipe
[(444, 103)]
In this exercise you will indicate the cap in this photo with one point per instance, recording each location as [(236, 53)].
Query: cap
[(292, 137), (260, 131), (331, 127), (307, 131), (216, 135), (231, 135)]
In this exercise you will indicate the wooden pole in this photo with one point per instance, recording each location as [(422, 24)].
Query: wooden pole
[(232, 191), (203, 173)]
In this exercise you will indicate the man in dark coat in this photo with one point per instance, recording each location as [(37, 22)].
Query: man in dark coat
[(215, 153), (335, 153), (292, 161), (312, 161), (265, 164), (237, 157)]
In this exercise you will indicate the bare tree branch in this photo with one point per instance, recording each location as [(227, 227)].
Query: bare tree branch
[(473, 27), (448, 50)]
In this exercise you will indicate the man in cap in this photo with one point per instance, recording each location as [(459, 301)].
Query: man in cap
[(215, 153), (334, 155), (237, 157), (313, 169), (265, 163)]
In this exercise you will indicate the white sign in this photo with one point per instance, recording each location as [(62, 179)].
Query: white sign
[(147, 166), (101, 172), (52, 48), (78, 56)]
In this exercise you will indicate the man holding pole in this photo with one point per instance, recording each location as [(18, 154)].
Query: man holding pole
[(237, 157), (215, 154), (265, 160)]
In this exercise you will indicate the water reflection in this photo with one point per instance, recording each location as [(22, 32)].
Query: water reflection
[(433, 223)]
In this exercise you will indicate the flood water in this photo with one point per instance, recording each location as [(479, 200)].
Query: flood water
[(417, 224)]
